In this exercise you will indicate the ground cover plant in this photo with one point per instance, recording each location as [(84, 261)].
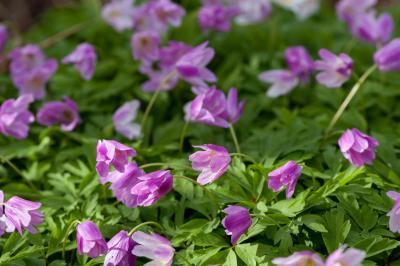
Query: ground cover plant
[(202, 133)]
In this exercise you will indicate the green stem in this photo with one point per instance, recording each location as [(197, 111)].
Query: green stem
[(149, 107), (136, 228), (169, 165), (349, 97), (183, 134), (66, 236), (15, 168), (234, 137), (244, 156)]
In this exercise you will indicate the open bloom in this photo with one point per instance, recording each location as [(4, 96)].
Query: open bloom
[(118, 14), (335, 70), (216, 16), (387, 58), (252, 11), (89, 240), (151, 187), (63, 113), (236, 222), (15, 117), (302, 258), (369, 28), (145, 46), (168, 12), (154, 247), (120, 250), (213, 162), (283, 82), (84, 57), (111, 152), (348, 257), (300, 62), (285, 176), (171, 53), (3, 36), (348, 10), (394, 214), (26, 58), (123, 120), (358, 147)]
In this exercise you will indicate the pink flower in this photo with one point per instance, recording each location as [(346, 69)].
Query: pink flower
[(3, 36), (170, 54), (84, 57), (119, 13), (302, 258), (145, 46), (26, 58), (237, 221), (89, 240), (63, 113), (394, 214), (348, 10), (233, 108), (283, 82), (285, 176), (120, 250), (123, 120), (216, 16), (168, 13), (387, 58), (300, 62), (161, 80), (348, 257)]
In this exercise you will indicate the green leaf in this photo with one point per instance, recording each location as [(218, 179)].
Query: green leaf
[(231, 259), (314, 222), (338, 229)]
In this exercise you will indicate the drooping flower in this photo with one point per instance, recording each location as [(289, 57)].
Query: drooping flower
[(119, 13), (216, 16), (3, 36), (84, 57), (283, 82), (252, 11), (15, 117), (65, 114), (237, 221), (89, 240), (154, 247), (394, 214), (348, 10), (358, 147), (301, 8), (111, 152), (302, 258), (285, 176), (145, 46), (120, 250), (335, 70), (213, 162), (348, 257), (299, 62), (152, 186), (387, 58), (233, 108), (123, 120)]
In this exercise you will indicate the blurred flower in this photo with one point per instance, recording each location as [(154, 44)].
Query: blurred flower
[(300, 62), (170, 54), (161, 80), (233, 108), (285, 176), (84, 57), (120, 250), (168, 13), (349, 257), (348, 10), (119, 13), (335, 70), (394, 214), (302, 8), (3, 36), (213, 162), (252, 11), (111, 152), (358, 147), (154, 247), (63, 113), (145, 46), (151, 187), (236, 222), (15, 117), (123, 120), (283, 82), (26, 58), (89, 240), (216, 16), (302, 258), (387, 58), (369, 28)]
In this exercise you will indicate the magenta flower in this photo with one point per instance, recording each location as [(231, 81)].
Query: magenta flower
[(65, 114), (216, 16), (84, 57), (394, 214), (300, 62), (119, 13), (387, 58), (3, 36), (233, 108), (120, 250), (283, 82), (170, 54), (253, 11), (212, 162), (154, 247), (15, 117), (168, 13), (145, 46), (111, 152), (335, 70), (236, 222), (369, 28), (89, 240), (123, 120), (358, 147), (25, 59), (285, 176), (348, 10), (348, 257), (151, 187), (161, 80), (302, 258)]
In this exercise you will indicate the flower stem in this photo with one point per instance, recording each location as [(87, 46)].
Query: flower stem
[(143, 224), (349, 97), (15, 168), (183, 134), (148, 108), (235, 140), (66, 236), (244, 156)]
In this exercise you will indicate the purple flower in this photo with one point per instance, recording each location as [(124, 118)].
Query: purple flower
[(335, 70), (387, 58), (15, 117), (120, 250), (170, 54), (26, 58), (233, 108), (168, 12), (369, 28), (394, 214), (145, 46), (348, 10), (123, 120), (300, 62), (348, 257), (236, 222), (302, 258), (216, 16), (283, 82), (118, 13), (285, 176), (89, 240), (161, 80), (154, 247), (213, 162), (253, 11), (3, 36), (111, 152), (358, 147), (84, 57), (63, 113), (151, 187)]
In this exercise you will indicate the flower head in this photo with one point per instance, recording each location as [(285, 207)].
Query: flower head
[(394, 214), (252, 11), (145, 46), (236, 222), (283, 82), (170, 54), (84, 57), (120, 250), (369, 28), (168, 13), (63, 113), (216, 16), (26, 58), (358, 147), (302, 258), (3, 36), (118, 14), (300, 62), (348, 257), (123, 120), (387, 58), (89, 240), (154, 247), (348, 10), (233, 108), (285, 176), (161, 80)]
